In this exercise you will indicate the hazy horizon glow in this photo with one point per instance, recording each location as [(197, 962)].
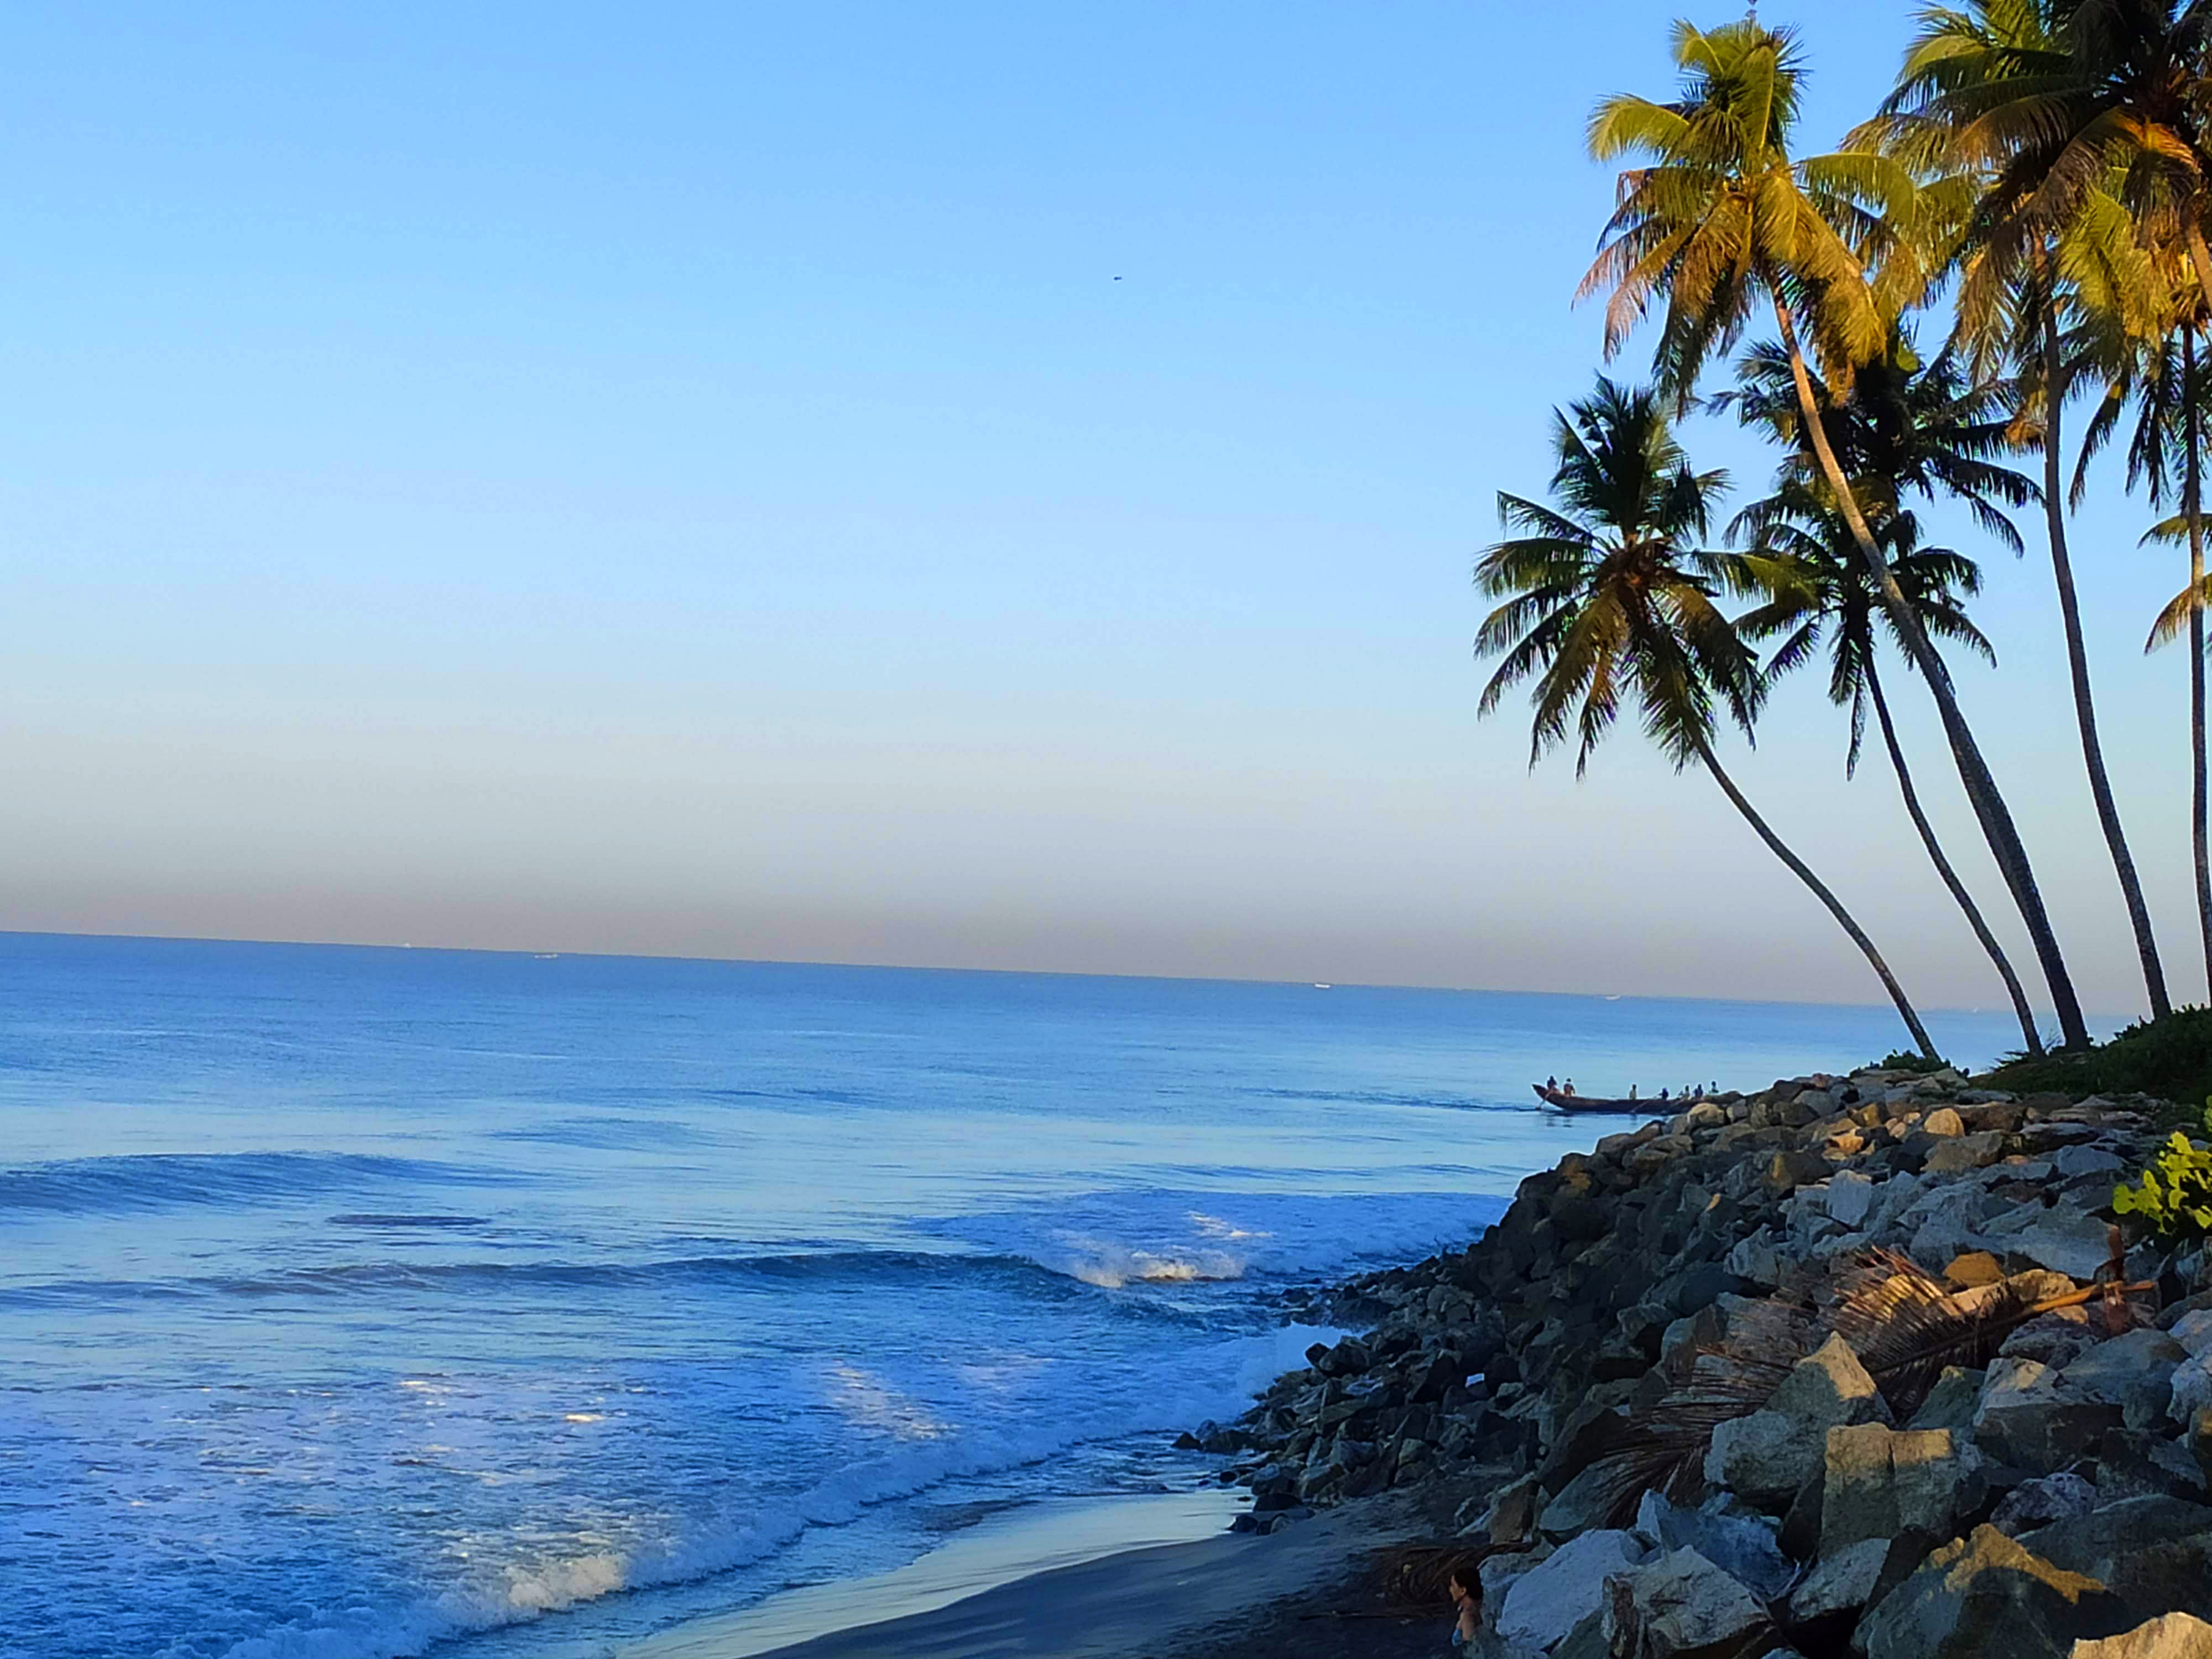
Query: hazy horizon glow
[(983, 489)]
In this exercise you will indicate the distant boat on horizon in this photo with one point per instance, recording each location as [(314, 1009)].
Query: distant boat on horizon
[(1319, 985)]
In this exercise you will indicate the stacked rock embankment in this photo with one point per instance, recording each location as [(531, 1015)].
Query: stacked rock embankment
[(1854, 1364)]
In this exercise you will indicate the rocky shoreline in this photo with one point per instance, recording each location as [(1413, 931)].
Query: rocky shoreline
[(1854, 1364)]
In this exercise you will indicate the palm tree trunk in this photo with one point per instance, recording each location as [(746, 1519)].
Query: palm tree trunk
[(1990, 809), (1972, 911), (1799, 868), (2077, 662), (2193, 505)]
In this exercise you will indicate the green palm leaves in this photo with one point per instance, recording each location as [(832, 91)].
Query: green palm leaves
[(1607, 598)]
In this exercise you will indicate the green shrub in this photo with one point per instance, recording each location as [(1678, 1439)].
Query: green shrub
[(2170, 1057), (2174, 1196), (1912, 1060)]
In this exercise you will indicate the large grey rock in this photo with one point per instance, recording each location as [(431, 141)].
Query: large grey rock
[(1843, 1583), (1881, 1481), (1543, 1605), (2175, 1635), (2155, 1553), (2134, 1371), (2190, 1390), (1987, 1597), (1680, 1604), (2072, 1161), (1942, 1222), (1582, 1504), (2193, 1330), (1963, 1152), (1741, 1546), (1764, 1458), (1851, 1198), (2041, 1501), (2062, 1239), (1951, 1404), (2028, 1422)]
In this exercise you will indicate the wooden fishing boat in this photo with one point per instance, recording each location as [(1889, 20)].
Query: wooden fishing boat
[(1567, 1103)]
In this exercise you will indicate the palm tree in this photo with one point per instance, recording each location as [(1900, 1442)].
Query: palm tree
[(1725, 217), (1826, 598), (2168, 387), (1606, 601), (2055, 101), (2033, 98)]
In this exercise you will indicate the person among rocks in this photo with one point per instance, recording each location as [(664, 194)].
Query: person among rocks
[(1466, 1586)]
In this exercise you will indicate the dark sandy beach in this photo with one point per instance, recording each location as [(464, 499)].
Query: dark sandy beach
[(1309, 1591)]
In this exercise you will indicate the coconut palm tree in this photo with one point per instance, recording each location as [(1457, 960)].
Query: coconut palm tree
[(2055, 100), (2032, 98), (1725, 218), (1825, 599), (2167, 385), (1607, 602)]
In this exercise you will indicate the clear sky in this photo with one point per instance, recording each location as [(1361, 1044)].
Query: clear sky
[(971, 484)]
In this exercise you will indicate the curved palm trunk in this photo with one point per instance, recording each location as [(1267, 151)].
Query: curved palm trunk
[(2077, 662), (1803, 872), (1990, 809), (1973, 914), (2193, 505)]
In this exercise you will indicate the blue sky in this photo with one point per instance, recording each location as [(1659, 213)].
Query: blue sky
[(978, 485)]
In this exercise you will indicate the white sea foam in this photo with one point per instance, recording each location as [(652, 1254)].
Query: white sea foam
[(517, 1581)]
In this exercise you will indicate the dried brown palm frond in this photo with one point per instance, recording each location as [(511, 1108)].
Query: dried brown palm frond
[(1417, 1577), (1906, 1325), (1662, 1447)]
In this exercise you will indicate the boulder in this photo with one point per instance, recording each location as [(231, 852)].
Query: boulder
[(1963, 1152), (1843, 1583), (1741, 1546), (2073, 1161), (2155, 1553), (2062, 1239), (1881, 1481), (2190, 1391), (2027, 1421), (2193, 1330), (1510, 1516), (1580, 1504), (1952, 1403), (2134, 1371), (1972, 1268), (1942, 1122), (1851, 1198), (2175, 1635), (1787, 1172), (1680, 1604), (2141, 1463), (1986, 1596), (2057, 1339), (2040, 1502), (1544, 1604), (1767, 1457)]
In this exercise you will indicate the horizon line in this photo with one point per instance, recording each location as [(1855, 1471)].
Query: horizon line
[(1039, 973)]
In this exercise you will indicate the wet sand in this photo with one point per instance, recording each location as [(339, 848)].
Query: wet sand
[(1307, 1590)]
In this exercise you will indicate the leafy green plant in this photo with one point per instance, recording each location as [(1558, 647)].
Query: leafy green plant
[(2174, 1195), (1902, 1060)]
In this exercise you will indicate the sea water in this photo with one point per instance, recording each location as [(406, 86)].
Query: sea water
[(359, 1303)]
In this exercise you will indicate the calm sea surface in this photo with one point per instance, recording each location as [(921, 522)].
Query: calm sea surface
[(359, 1303)]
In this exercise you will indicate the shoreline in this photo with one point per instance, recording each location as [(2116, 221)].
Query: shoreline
[(1506, 1400), (1225, 1596)]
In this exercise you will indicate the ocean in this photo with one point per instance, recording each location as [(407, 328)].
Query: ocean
[(356, 1303)]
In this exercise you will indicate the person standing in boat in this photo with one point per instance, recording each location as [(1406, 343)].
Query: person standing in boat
[(1568, 1087), (1552, 1084)]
